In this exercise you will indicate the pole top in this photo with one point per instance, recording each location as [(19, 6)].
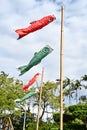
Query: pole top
[(62, 7)]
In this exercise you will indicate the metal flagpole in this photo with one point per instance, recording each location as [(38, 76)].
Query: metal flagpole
[(40, 99), (61, 67), (24, 119)]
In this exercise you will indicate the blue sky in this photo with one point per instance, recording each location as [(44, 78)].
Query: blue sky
[(14, 53)]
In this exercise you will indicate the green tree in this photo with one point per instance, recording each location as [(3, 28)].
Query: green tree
[(75, 117), (49, 98), (83, 99), (10, 90), (68, 89)]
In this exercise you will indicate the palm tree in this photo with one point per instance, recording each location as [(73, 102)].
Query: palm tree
[(68, 90), (84, 78), (76, 85), (83, 98)]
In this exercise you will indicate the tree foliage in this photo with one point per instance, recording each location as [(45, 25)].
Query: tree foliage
[(10, 90), (74, 117)]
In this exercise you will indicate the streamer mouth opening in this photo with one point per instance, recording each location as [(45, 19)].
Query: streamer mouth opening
[(54, 16), (51, 49)]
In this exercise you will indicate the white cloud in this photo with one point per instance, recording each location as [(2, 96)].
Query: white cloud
[(18, 14)]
